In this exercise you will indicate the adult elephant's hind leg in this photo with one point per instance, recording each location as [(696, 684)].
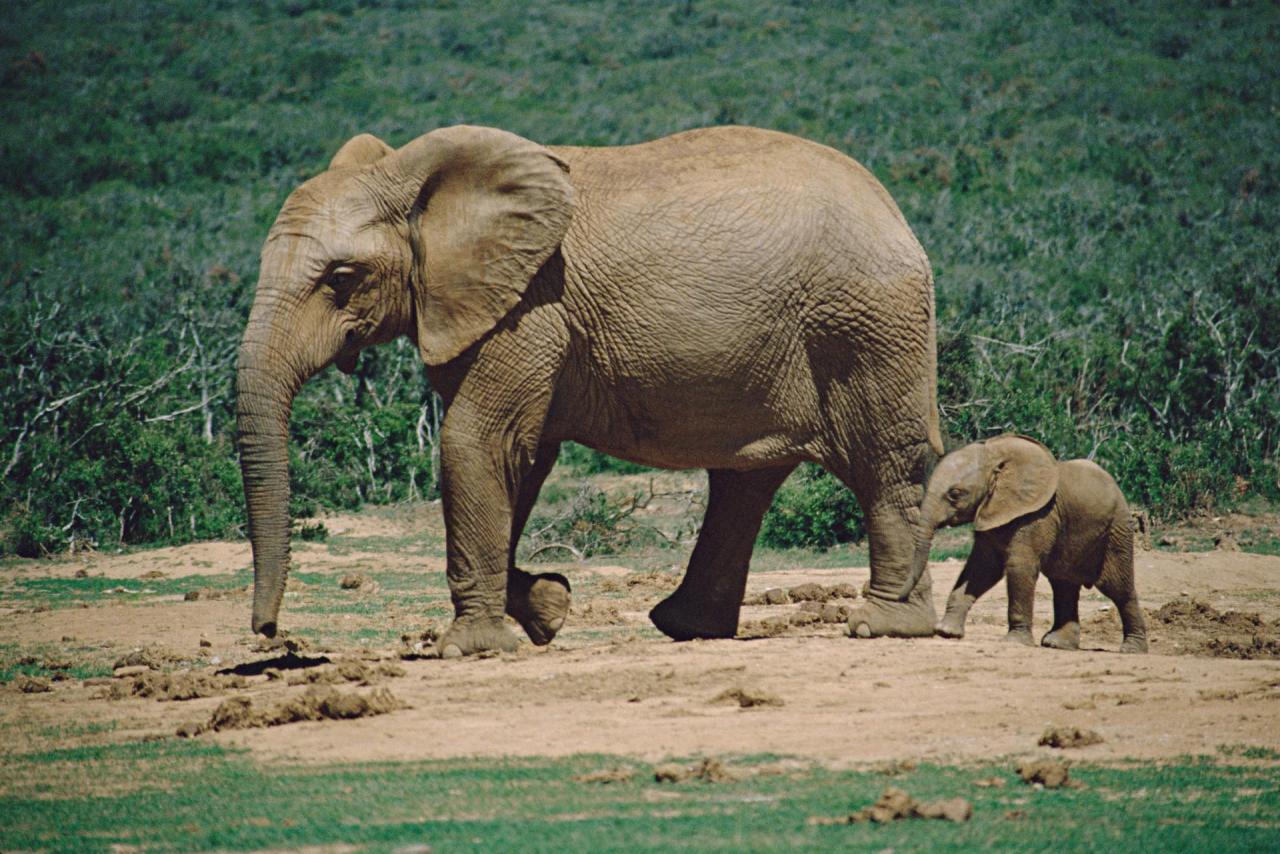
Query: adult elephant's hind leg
[(707, 602), (539, 603), (891, 513)]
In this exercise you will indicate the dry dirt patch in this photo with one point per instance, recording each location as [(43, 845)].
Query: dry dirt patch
[(610, 684)]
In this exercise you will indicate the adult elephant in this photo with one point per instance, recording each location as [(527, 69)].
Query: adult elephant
[(729, 298)]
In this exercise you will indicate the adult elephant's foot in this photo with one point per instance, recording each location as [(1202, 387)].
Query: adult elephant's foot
[(472, 636), (884, 616), (1133, 644), (682, 618), (539, 603), (951, 626), (1020, 636), (1064, 637)]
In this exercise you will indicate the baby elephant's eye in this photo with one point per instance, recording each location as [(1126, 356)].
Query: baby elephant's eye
[(955, 493)]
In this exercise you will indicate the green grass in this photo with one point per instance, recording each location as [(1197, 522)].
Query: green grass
[(198, 796)]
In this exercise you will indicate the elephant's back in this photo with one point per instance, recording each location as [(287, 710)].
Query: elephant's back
[(737, 157)]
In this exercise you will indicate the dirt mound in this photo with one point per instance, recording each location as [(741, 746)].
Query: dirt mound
[(1049, 773), (152, 657), (1197, 628), (1062, 737), (606, 775), (807, 592), (709, 770), (346, 670), (172, 686), (747, 698), (318, 702), (895, 804)]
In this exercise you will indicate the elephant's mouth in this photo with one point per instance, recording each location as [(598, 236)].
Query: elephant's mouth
[(346, 361)]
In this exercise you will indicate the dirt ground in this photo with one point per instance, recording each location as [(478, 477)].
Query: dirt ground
[(612, 684)]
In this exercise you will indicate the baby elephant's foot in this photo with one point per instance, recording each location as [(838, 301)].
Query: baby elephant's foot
[(1021, 636), (950, 627), (1134, 643), (469, 637), (1063, 637), (539, 603)]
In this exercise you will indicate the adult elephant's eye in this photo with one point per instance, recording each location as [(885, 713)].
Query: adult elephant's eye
[(343, 280)]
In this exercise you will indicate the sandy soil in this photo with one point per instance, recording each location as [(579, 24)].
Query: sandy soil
[(610, 684)]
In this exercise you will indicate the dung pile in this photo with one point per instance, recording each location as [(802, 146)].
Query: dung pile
[(318, 702), (895, 804), (1194, 627)]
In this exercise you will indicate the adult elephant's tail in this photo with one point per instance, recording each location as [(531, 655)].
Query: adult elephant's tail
[(932, 428)]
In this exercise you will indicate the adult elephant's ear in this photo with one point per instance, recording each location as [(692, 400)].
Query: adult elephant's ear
[(360, 150), (1024, 476), (488, 209)]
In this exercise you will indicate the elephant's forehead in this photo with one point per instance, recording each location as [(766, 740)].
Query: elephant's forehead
[(328, 208), (959, 464)]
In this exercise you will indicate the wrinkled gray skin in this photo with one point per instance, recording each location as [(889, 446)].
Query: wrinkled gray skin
[(1032, 514), (730, 298)]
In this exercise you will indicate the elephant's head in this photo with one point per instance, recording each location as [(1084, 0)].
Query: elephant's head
[(437, 240), (989, 483)]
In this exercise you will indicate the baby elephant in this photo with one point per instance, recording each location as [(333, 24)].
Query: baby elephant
[(1032, 514)]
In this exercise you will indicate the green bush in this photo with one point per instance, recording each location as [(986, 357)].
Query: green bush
[(812, 510), (584, 461)]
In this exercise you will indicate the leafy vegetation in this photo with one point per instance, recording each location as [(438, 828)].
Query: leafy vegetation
[(197, 796), (1096, 184)]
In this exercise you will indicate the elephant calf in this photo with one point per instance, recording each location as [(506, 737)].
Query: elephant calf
[(1033, 514)]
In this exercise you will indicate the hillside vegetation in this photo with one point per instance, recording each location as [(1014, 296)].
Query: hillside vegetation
[(1096, 183)]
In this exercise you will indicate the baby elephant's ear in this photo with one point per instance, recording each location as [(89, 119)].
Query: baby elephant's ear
[(1024, 477)]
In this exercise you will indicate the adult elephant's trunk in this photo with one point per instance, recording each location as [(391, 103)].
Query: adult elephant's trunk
[(265, 389), (931, 513)]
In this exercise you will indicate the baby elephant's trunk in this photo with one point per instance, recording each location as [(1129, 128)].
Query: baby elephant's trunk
[(924, 541)]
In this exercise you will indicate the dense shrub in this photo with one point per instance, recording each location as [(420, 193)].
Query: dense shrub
[(812, 510)]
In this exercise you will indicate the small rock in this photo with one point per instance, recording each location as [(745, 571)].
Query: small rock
[(808, 592), (747, 698), (776, 596), (804, 618), (671, 773), (1049, 773), (1066, 736), (130, 670), (206, 643), (835, 613), (990, 783), (949, 809), (82, 573), (32, 684), (352, 581), (606, 776), (843, 590)]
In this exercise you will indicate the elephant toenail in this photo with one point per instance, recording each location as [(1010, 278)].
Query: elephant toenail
[(863, 630), (555, 624), (451, 651)]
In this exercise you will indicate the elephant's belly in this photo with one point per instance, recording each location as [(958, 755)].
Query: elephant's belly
[(693, 426)]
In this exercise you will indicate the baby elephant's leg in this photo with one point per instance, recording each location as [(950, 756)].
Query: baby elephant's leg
[(1021, 575), (1065, 633), (1116, 583), (981, 571), (1135, 626)]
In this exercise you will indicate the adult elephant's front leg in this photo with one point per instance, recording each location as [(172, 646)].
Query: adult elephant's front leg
[(891, 520), (707, 602), (539, 603)]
